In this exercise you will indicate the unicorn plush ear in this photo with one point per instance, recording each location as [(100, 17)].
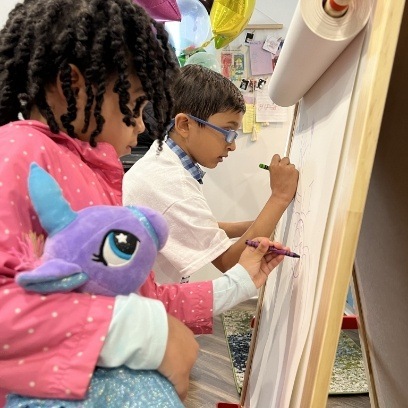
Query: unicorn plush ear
[(154, 223), (53, 210), (55, 275)]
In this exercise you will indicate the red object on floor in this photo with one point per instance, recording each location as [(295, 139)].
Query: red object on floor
[(349, 322), (228, 405)]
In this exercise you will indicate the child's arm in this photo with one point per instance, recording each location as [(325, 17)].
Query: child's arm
[(180, 356), (196, 303), (235, 229), (191, 303), (152, 341), (283, 180)]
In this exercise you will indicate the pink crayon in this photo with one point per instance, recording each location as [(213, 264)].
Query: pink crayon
[(273, 249)]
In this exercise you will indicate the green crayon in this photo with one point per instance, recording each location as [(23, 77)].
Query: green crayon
[(264, 166)]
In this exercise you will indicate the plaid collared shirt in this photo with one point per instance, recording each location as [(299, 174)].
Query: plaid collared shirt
[(193, 168)]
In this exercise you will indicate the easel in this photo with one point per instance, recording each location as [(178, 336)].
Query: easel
[(350, 202), (374, 83)]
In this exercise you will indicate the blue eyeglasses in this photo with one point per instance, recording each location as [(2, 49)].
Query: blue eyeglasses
[(230, 135)]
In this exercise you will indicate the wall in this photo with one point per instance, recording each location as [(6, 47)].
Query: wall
[(274, 11), (6, 7)]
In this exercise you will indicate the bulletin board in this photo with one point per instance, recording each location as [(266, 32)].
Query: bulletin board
[(333, 145), (249, 65)]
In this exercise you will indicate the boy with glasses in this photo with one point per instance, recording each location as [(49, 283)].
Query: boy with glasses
[(208, 111)]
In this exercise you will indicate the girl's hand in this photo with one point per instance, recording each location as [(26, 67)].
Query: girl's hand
[(180, 356), (258, 262)]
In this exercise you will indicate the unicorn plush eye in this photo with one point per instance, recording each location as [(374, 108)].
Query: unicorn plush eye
[(118, 248)]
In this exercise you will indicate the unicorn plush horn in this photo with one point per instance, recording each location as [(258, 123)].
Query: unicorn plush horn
[(54, 214)]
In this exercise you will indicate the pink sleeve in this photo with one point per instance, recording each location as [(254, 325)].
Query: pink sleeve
[(192, 303), (49, 344)]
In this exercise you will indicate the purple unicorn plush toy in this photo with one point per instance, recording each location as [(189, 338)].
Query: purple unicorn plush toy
[(102, 250)]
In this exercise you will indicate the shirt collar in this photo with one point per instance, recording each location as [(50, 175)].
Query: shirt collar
[(193, 168)]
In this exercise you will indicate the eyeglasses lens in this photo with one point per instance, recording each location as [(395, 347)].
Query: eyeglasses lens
[(231, 136)]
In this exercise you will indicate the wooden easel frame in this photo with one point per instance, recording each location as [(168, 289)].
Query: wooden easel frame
[(368, 105), (363, 340)]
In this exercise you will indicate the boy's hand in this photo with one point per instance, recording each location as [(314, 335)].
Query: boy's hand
[(283, 178), (180, 356), (258, 262)]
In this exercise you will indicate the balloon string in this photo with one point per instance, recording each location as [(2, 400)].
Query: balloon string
[(205, 44)]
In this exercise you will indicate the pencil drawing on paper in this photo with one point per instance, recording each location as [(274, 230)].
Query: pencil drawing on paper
[(302, 206)]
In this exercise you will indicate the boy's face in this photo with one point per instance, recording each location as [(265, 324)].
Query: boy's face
[(206, 145)]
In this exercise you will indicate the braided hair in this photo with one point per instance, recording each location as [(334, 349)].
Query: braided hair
[(41, 38)]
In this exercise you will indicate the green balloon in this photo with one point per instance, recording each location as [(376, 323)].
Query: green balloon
[(206, 60)]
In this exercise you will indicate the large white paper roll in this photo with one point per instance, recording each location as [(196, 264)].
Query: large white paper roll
[(314, 40)]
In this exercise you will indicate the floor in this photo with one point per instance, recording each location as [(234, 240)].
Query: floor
[(212, 380)]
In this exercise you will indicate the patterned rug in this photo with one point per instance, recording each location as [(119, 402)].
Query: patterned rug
[(348, 375)]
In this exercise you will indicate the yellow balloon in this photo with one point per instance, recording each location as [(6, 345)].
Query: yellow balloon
[(229, 18)]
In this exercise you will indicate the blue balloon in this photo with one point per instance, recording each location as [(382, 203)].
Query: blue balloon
[(193, 29)]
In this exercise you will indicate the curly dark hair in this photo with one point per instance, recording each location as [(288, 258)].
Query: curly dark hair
[(41, 38)]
